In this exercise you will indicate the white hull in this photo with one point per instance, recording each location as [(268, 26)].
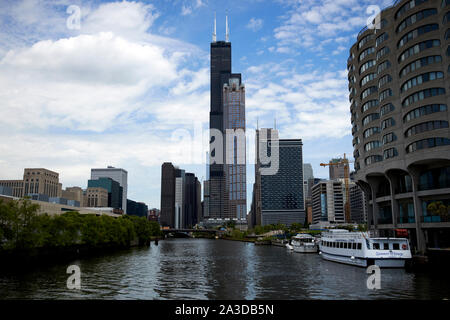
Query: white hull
[(361, 262)]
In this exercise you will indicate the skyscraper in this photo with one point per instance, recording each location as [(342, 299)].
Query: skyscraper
[(220, 75), (167, 195), (278, 196), (117, 174), (399, 97), (235, 168)]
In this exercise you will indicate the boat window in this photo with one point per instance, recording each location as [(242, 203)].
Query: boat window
[(396, 246), (354, 246), (376, 246), (345, 245), (385, 246), (334, 244), (404, 246), (359, 246)]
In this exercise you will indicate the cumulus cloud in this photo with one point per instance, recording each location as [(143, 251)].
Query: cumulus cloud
[(255, 24)]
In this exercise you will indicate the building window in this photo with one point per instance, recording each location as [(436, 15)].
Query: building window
[(383, 66), (423, 111), (368, 92), (416, 33), (365, 40), (382, 52), (390, 153), (418, 80), (381, 39), (388, 138), (384, 80), (438, 178), (387, 108), (426, 126), (415, 65), (416, 49), (368, 78), (446, 18), (415, 18), (427, 143), (387, 123), (373, 159), (368, 105), (371, 145), (421, 95), (371, 131), (367, 65), (385, 94), (408, 6), (371, 117), (365, 53)]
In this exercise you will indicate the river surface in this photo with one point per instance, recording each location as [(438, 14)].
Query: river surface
[(217, 269)]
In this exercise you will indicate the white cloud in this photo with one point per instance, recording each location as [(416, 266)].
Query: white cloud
[(255, 24)]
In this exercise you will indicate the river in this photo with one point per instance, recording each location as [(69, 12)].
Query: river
[(217, 269)]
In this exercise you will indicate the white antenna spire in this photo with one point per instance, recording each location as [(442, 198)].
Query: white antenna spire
[(214, 38), (227, 32)]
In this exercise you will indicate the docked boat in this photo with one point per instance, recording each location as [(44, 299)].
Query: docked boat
[(304, 243), (279, 242), (359, 249)]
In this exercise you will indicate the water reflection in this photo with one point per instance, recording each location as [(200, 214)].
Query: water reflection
[(217, 269)]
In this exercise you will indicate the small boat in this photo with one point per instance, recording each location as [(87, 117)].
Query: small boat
[(359, 249), (289, 246), (279, 242), (304, 243)]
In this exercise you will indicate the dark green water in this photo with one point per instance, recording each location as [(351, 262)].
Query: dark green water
[(217, 269)]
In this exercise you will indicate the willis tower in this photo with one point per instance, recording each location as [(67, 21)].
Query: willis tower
[(220, 75)]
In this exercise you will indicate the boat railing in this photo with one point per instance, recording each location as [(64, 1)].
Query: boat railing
[(345, 235)]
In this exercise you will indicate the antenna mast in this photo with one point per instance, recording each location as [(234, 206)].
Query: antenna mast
[(214, 38), (227, 32)]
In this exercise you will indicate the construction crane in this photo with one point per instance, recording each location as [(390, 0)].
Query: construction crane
[(346, 163)]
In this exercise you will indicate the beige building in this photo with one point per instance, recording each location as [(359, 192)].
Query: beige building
[(15, 185), (41, 181), (73, 193), (97, 197)]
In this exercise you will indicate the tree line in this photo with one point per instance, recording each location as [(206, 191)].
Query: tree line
[(21, 228)]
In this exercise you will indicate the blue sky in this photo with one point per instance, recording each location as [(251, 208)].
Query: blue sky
[(131, 85)]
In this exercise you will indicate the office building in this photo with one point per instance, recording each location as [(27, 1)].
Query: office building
[(139, 209), (73, 193), (278, 194), (219, 207), (180, 198), (113, 188), (180, 189), (6, 191), (337, 171), (16, 187), (167, 195), (328, 202), (98, 197), (399, 97), (235, 196), (358, 205), (117, 174), (154, 214)]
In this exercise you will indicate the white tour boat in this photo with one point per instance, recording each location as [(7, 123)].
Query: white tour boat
[(304, 243), (359, 249)]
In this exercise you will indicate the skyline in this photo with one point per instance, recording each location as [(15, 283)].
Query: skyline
[(135, 73)]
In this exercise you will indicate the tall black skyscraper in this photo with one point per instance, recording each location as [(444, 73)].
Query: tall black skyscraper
[(220, 74)]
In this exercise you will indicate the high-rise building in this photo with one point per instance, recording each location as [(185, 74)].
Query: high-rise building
[(399, 97), (358, 204), (41, 181), (139, 209), (220, 75), (328, 202), (235, 150), (73, 193), (117, 174), (279, 194), (167, 195), (97, 197), (180, 189), (180, 198)]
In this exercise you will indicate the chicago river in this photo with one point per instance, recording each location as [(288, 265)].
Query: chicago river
[(217, 269)]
